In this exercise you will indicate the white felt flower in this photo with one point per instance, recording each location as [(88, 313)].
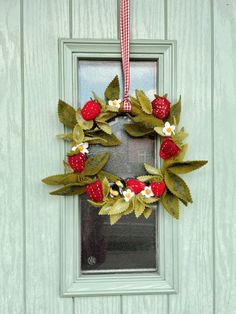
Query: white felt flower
[(147, 192), (82, 147), (114, 103), (128, 194), (168, 129)]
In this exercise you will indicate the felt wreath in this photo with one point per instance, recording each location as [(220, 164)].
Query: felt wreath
[(116, 196)]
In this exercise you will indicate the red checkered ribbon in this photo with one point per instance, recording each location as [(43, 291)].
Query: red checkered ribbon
[(124, 42)]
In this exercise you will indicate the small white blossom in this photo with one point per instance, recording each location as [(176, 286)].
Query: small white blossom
[(114, 103), (168, 129), (128, 194), (82, 147), (147, 192)]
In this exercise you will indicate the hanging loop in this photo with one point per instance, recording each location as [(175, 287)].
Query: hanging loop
[(125, 45)]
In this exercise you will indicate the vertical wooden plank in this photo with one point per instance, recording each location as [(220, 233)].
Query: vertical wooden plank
[(95, 20), (146, 304), (189, 21), (44, 22), (11, 213), (147, 22), (98, 305), (147, 19), (225, 155)]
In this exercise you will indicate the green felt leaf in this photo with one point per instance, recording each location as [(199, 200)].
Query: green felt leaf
[(61, 179), (175, 112), (138, 207), (78, 134), (105, 139), (177, 186), (149, 121), (94, 140), (186, 166), (144, 101), (101, 101), (119, 207), (106, 207), (70, 189), (152, 170), (85, 125), (106, 116), (95, 164), (171, 204), (96, 204), (147, 212), (85, 180), (136, 108), (129, 210), (159, 129), (112, 109), (114, 218), (104, 126), (66, 137), (146, 178), (106, 187), (180, 136), (112, 91), (150, 200), (108, 175), (137, 130), (66, 114)]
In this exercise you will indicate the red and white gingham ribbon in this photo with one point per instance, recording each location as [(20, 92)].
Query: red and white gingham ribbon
[(124, 42)]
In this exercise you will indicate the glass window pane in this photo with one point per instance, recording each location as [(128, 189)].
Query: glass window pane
[(130, 244)]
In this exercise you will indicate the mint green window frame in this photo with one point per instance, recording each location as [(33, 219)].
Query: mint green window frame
[(72, 281)]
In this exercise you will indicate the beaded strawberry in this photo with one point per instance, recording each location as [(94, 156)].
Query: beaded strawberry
[(160, 107), (169, 149), (77, 162), (135, 185), (158, 188), (90, 110), (95, 191)]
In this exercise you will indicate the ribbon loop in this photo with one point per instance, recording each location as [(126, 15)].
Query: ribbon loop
[(125, 42)]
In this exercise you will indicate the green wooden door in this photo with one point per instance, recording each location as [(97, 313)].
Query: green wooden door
[(30, 219)]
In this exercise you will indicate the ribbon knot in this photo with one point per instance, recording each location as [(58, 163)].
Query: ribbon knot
[(127, 107), (125, 42)]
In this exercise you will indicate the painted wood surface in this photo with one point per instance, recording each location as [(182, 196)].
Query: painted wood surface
[(44, 21), (29, 221), (11, 170), (224, 99), (190, 23)]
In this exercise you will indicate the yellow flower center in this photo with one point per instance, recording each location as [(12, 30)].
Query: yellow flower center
[(168, 130), (81, 148), (128, 195), (114, 103), (148, 192)]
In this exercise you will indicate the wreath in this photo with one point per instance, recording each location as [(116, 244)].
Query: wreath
[(115, 196)]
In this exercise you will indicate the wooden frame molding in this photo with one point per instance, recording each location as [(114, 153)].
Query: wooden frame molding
[(72, 282)]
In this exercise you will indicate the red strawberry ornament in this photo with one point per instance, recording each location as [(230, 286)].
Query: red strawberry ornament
[(158, 188), (77, 162), (169, 149), (90, 110), (135, 185), (95, 191), (160, 107)]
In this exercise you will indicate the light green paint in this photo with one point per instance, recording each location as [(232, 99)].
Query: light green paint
[(30, 238)]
